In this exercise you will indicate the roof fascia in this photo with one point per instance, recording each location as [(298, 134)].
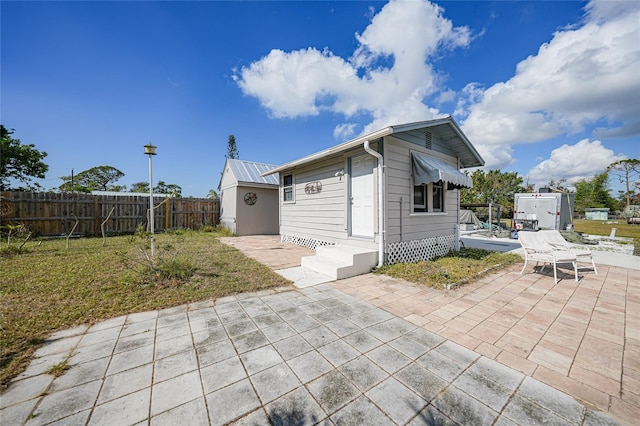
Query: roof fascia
[(421, 124), (333, 150), (222, 174), (468, 144), (379, 134), (257, 185)]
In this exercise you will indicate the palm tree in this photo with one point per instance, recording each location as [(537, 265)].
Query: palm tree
[(213, 194)]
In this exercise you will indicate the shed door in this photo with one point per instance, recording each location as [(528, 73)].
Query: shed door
[(548, 212), (361, 181)]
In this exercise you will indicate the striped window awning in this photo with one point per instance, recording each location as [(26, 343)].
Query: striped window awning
[(427, 169)]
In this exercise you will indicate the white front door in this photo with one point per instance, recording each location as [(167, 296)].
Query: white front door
[(361, 196)]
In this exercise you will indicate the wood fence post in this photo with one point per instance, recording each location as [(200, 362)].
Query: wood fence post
[(166, 215), (96, 216)]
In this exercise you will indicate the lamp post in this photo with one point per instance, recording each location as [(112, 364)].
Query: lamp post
[(150, 150)]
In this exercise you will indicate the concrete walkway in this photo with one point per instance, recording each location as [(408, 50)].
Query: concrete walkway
[(350, 352)]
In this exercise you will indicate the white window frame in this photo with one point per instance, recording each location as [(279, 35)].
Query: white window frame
[(442, 185), (428, 207), (292, 187), (425, 196)]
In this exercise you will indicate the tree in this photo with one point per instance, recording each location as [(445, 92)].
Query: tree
[(625, 170), (528, 186), (212, 194), (232, 149), (594, 192), (98, 178), (19, 162), (558, 185), (621, 200), (493, 186), (139, 187), (171, 189)]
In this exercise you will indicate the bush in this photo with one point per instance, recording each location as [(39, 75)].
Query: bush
[(163, 273), (163, 268)]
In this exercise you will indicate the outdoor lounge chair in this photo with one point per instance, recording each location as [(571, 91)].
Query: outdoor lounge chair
[(537, 248), (583, 254)]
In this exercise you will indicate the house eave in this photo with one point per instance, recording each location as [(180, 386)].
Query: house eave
[(257, 185), (476, 159), (333, 150), (479, 161)]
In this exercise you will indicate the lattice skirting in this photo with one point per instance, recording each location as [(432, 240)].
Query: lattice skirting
[(415, 250), (307, 242)]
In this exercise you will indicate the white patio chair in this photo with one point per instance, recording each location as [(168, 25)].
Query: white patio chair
[(537, 248), (583, 254)]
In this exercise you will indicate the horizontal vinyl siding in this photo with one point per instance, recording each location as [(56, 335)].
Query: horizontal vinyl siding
[(398, 184), (320, 215)]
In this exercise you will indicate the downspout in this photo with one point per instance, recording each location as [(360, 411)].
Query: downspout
[(381, 230)]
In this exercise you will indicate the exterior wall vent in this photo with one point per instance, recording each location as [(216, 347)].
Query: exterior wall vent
[(427, 140)]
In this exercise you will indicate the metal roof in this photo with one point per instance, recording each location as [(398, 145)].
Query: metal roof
[(250, 172), (446, 127)]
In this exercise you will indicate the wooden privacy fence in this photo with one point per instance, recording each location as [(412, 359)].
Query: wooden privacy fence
[(47, 214)]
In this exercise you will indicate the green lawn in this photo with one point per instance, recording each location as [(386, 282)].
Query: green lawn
[(601, 227), (49, 288), (454, 269)]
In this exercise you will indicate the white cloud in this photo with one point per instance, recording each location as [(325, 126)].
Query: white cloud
[(298, 83), (446, 96), (386, 78), (586, 75), (344, 131), (574, 162)]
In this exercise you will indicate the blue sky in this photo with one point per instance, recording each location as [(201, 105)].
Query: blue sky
[(550, 90)]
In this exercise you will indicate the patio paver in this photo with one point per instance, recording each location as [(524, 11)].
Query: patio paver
[(383, 364), (555, 334)]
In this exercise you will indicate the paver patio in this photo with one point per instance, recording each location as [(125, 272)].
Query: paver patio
[(366, 350), (581, 338)]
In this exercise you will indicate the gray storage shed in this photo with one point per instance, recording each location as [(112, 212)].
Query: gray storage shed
[(249, 201), (596, 213)]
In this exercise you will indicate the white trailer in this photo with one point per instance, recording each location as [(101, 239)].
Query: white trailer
[(543, 210)]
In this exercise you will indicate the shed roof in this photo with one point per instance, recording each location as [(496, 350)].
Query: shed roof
[(446, 128), (251, 172)]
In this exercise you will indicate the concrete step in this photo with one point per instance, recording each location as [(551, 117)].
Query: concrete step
[(324, 265), (341, 261), (341, 251)]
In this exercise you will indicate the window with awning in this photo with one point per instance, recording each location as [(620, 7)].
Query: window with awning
[(427, 169)]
